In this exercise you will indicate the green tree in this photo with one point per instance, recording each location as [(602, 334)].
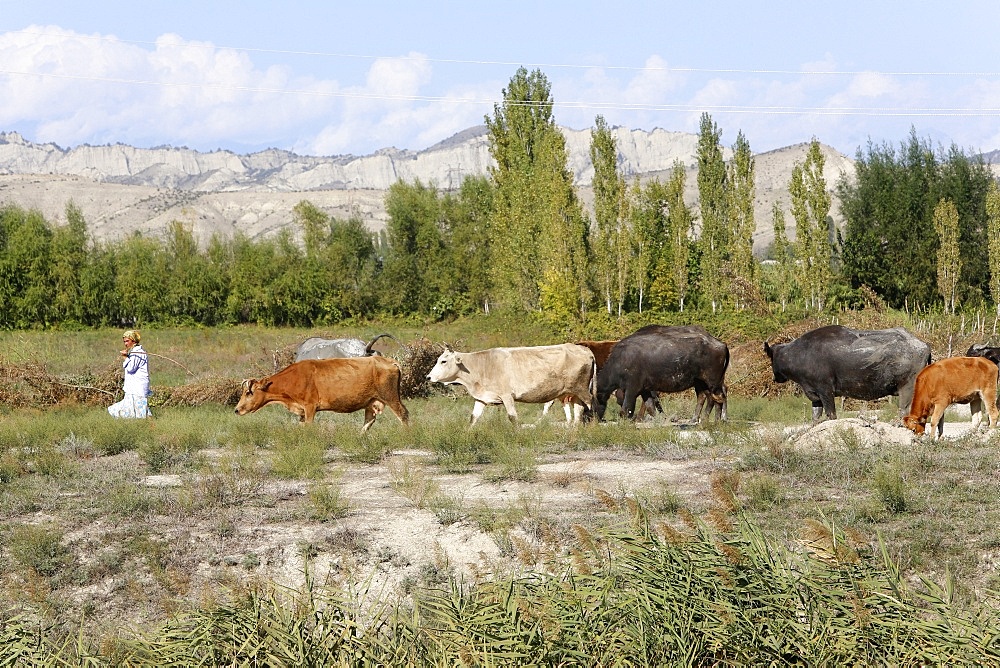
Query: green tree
[(352, 270), (993, 235), (781, 252), (26, 293), (195, 291), (467, 222), (811, 208), (141, 281), (538, 234), (889, 240), (712, 198), (949, 262), (649, 229), (418, 270), (69, 257), (680, 223), (609, 204), (740, 181), (252, 269)]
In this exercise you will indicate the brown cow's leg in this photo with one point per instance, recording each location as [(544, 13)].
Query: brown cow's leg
[(370, 414), (399, 409)]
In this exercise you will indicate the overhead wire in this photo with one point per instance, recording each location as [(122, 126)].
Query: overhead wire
[(777, 110)]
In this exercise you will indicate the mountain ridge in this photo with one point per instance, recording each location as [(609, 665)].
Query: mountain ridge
[(123, 189)]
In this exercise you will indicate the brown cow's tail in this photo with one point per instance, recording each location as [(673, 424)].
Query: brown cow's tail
[(368, 349)]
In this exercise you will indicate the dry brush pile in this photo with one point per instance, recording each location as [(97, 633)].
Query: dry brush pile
[(31, 385)]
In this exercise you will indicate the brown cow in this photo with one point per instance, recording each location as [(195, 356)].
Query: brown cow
[(340, 385), (953, 380)]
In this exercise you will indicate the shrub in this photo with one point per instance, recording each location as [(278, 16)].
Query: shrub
[(890, 489), (40, 548)]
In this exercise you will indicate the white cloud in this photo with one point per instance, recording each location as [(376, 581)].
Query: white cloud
[(72, 88)]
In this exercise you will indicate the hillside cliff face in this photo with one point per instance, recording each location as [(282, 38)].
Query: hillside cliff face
[(122, 189)]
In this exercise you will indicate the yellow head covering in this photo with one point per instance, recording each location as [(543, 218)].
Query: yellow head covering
[(131, 334)]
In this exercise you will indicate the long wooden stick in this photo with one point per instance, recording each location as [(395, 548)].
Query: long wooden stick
[(171, 360)]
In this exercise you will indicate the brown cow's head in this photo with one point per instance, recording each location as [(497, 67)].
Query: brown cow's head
[(254, 395), (915, 424)]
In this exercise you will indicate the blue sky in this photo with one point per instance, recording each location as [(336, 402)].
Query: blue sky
[(330, 78)]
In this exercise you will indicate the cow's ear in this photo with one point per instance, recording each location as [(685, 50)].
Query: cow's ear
[(265, 384), (769, 350)]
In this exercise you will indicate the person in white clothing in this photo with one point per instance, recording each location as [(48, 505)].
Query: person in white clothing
[(135, 363)]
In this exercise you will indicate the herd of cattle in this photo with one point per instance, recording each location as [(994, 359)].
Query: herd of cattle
[(347, 375)]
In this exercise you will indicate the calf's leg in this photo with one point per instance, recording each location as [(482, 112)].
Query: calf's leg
[(976, 408), (937, 421)]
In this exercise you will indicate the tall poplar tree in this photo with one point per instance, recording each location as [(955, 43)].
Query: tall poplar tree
[(993, 236), (740, 182), (609, 205), (949, 262), (538, 233), (781, 251), (714, 239), (811, 208), (649, 227), (680, 223)]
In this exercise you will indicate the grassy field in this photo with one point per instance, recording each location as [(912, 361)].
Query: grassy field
[(127, 541)]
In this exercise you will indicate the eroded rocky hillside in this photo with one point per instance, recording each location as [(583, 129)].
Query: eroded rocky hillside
[(122, 189)]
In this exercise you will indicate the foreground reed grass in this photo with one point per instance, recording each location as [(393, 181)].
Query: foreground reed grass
[(638, 594)]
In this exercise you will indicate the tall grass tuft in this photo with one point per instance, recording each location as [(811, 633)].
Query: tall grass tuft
[(40, 548), (890, 489)]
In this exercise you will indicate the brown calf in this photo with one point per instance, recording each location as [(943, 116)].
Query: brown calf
[(953, 380)]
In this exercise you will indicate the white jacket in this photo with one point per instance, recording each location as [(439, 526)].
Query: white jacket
[(136, 367)]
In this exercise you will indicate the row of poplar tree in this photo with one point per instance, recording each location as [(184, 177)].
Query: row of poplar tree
[(922, 230)]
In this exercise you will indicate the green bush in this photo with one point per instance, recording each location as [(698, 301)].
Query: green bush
[(40, 548), (890, 489)]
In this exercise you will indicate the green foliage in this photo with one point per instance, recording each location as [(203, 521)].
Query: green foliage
[(741, 183), (890, 489), (610, 237), (40, 548), (889, 242), (537, 224), (811, 208), (714, 240), (949, 263), (993, 237)]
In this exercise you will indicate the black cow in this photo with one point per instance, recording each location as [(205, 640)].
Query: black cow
[(658, 358), (836, 361), (316, 348), (983, 350)]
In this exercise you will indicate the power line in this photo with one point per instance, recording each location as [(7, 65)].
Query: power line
[(573, 104), (503, 63)]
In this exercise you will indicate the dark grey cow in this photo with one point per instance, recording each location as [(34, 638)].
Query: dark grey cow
[(658, 358), (836, 361), (316, 348), (983, 350)]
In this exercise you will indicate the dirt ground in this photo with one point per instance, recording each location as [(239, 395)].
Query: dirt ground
[(388, 539)]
